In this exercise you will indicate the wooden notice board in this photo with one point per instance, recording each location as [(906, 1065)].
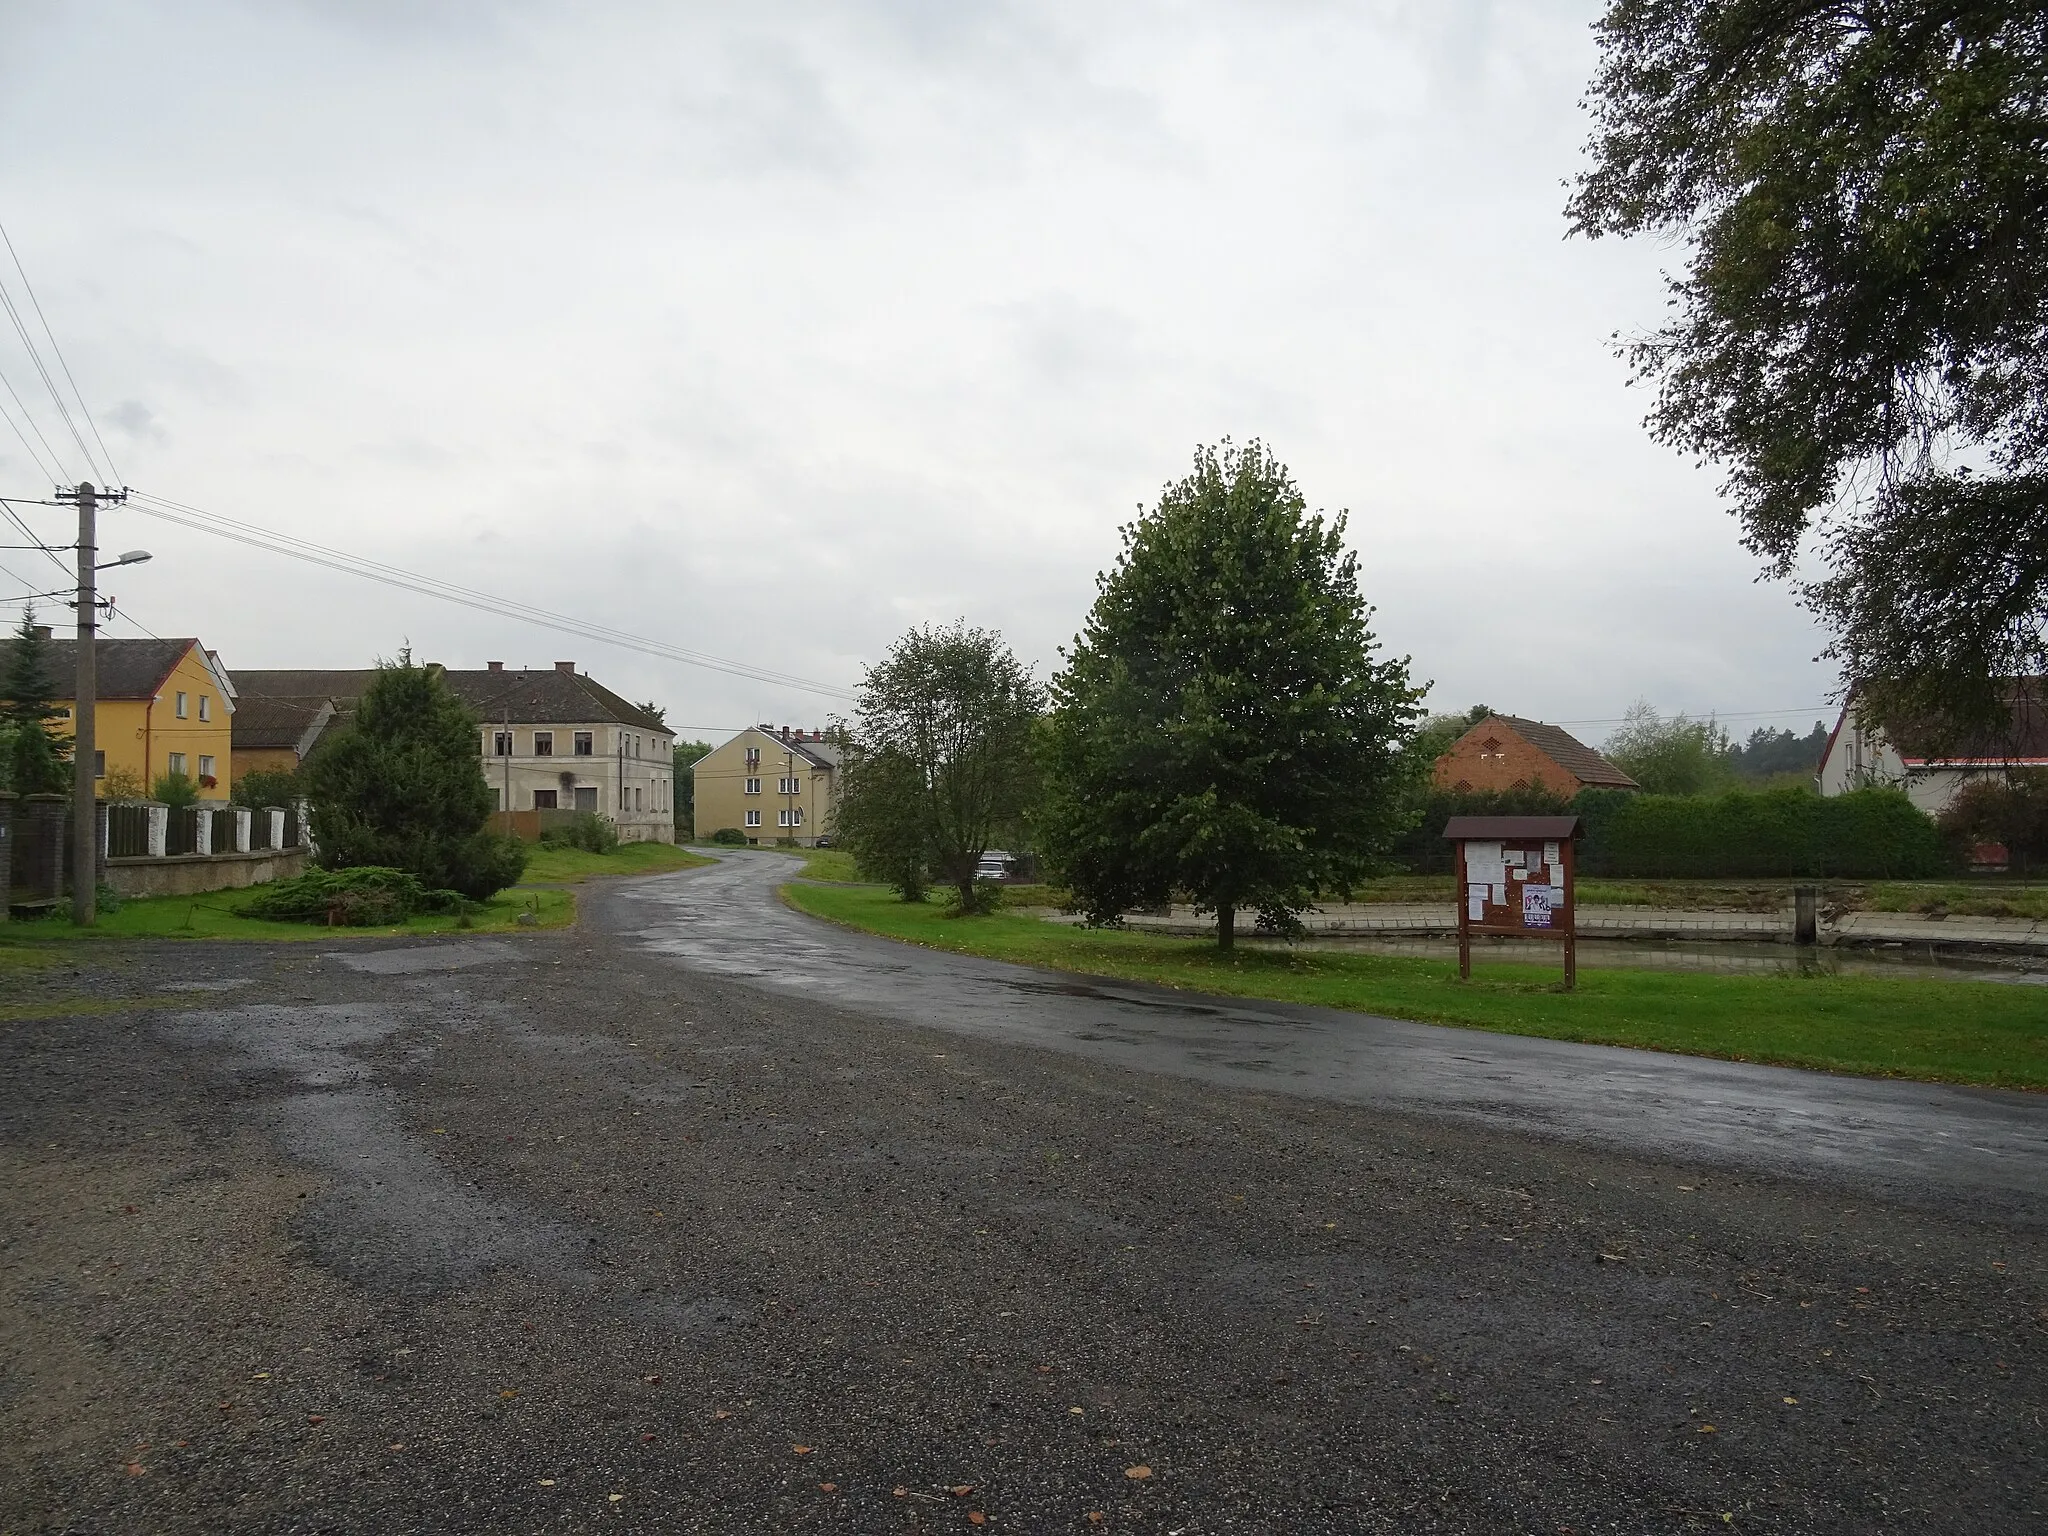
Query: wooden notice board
[(1515, 880)]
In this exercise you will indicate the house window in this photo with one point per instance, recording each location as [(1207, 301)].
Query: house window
[(586, 799), (543, 743), (753, 818), (182, 698), (545, 800), (206, 706), (753, 757), (583, 744), (498, 796), (177, 762), (205, 767), (753, 786), (790, 818), (501, 743), (99, 765), (639, 798)]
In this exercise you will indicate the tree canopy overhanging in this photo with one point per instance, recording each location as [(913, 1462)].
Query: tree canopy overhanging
[(1860, 334)]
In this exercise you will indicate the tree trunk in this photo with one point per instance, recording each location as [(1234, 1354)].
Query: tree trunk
[(1226, 926)]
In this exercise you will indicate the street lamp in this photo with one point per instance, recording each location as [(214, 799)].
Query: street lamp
[(133, 557)]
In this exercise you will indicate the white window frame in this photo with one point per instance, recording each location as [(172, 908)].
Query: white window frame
[(206, 706), (183, 705), (174, 762), (753, 787), (206, 765), (790, 816), (753, 818)]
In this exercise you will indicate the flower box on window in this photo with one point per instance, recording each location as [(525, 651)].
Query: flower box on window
[(208, 781)]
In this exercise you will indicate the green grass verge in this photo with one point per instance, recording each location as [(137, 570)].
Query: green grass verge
[(1992, 896), (571, 866), (1938, 1031), (217, 915)]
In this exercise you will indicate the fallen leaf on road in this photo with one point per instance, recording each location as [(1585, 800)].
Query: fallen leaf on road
[(508, 1392), (136, 1469), (828, 1487), (801, 1450), (962, 1491), (1137, 1474), (976, 1517), (720, 1414), (1096, 1517), (1793, 1401), (547, 1482), (1708, 1429), (316, 1418), (901, 1493), (652, 1381), (647, 1439), (615, 1498)]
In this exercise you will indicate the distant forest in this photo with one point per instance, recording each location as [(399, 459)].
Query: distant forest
[(1773, 751)]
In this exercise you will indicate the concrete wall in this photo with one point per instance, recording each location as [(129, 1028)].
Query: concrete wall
[(191, 874)]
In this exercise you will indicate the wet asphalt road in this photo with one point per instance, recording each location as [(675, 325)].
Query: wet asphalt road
[(596, 1231)]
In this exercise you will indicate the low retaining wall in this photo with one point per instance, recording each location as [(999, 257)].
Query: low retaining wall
[(191, 873)]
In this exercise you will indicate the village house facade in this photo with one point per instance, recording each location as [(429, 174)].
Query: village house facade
[(548, 740), (775, 784), (164, 706), (1506, 752), (1933, 775)]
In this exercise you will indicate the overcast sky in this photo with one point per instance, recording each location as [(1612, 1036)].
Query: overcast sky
[(770, 330)]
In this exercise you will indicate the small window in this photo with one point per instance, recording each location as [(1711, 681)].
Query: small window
[(753, 818), (753, 757), (583, 744), (545, 800), (586, 799), (206, 706), (177, 760), (205, 766), (501, 743), (182, 704), (99, 765), (543, 743), (790, 818), (639, 799), (498, 795), (753, 786)]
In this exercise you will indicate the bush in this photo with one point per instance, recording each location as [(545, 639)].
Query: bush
[(729, 837), (364, 896), (1868, 834), (177, 790), (586, 830), (261, 788)]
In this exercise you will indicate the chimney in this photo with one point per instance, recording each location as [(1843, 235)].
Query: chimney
[(495, 666), (785, 733), (566, 666), (42, 631)]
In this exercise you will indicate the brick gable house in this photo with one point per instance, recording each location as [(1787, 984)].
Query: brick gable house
[(1506, 752)]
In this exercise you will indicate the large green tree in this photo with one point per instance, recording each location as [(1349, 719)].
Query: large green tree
[(403, 787), (1224, 727), (1860, 334), (684, 760), (1674, 755), (938, 762)]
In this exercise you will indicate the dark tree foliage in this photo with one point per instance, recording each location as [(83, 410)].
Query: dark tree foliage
[(260, 788), (1222, 728), (1769, 752), (38, 762), (938, 763), (2010, 809), (403, 788), (1861, 334), (684, 758)]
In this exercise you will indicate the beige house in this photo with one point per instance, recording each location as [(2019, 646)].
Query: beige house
[(553, 740), (776, 784), (1932, 773)]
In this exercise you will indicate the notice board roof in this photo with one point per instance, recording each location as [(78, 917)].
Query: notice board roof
[(1460, 828)]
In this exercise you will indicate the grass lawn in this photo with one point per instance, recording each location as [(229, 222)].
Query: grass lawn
[(217, 915), (572, 866), (1941, 1031)]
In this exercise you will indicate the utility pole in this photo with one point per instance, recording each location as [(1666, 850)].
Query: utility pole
[(85, 821)]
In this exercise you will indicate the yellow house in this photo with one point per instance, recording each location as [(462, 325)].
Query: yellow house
[(774, 783), (165, 706)]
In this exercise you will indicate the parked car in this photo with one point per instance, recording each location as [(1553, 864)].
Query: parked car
[(994, 865)]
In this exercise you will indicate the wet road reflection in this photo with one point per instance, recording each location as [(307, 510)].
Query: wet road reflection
[(1908, 1139)]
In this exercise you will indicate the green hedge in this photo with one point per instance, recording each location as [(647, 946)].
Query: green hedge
[(1867, 834)]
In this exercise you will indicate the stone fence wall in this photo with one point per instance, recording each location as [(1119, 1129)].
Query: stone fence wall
[(146, 848)]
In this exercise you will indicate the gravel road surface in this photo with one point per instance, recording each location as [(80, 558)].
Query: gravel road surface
[(686, 1220)]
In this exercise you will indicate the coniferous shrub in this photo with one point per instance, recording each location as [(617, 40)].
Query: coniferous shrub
[(365, 896), (403, 788)]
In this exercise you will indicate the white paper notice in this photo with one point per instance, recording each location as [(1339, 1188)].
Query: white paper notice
[(1550, 854), (1557, 898), (1481, 853), (1500, 893), (1475, 902)]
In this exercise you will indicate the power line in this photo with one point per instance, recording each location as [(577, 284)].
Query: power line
[(29, 416), (63, 411), (257, 537), (113, 474), (15, 518)]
